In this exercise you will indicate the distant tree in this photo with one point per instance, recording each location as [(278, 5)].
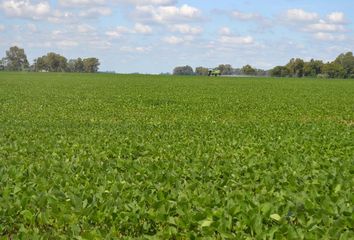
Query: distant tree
[(296, 67), (280, 71), (201, 71), (2, 64), (79, 65), (91, 65), (313, 68), (40, 64), (248, 70), (225, 69), (16, 59), (261, 72), (51, 62), (183, 70), (334, 70), (347, 62)]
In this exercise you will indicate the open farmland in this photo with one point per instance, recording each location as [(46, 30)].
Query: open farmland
[(164, 157)]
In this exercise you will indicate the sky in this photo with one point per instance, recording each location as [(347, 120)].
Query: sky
[(154, 36)]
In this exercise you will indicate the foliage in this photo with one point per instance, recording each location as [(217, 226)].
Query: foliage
[(341, 67), (296, 67), (183, 70), (347, 62), (16, 59), (313, 68), (248, 70), (104, 156), (334, 70), (201, 71), (52, 62), (90, 65), (225, 69), (280, 71)]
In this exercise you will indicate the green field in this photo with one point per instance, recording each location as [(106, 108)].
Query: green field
[(92, 156)]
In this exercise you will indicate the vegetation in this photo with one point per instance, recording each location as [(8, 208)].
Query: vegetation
[(341, 67), (16, 60), (166, 157)]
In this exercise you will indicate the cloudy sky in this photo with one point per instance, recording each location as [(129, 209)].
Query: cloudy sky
[(153, 36)]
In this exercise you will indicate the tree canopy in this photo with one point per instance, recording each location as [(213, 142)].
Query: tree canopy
[(16, 60)]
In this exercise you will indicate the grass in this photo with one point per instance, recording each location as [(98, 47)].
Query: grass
[(92, 156)]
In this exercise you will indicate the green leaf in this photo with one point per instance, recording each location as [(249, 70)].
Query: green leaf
[(275, 217), (206, 223)]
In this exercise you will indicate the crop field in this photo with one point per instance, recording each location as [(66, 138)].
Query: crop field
[(100, 156)]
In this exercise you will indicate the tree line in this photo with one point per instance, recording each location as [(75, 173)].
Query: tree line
[(225, 69), (16, 60), (341, 67)]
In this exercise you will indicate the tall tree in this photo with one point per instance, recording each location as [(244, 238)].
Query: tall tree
[(248, 70), (91, 65), (79, 65), (183, 70), (225, 69), (2, 64), (347, 62), (16, 59), (296, 67), (280, 71), (313, 68), (51, 62), (201, 71), (334, 70)]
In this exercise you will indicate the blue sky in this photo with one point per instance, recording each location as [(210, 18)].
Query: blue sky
[(153, 36)]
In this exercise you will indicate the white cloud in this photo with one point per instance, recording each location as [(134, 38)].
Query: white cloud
[(336, 17), (245, 16), (81, 3), (236, 40), (141, 28), (323, 26), (225, 31), (300, 15), (121, 30), (167, 14), (85, 28), (137, 49), (32, 28), (151, 2), (2, 27), (173, 40), (25, 9), (95, 12), (118, 32), (186, 29), (67, 44), (329, 36)]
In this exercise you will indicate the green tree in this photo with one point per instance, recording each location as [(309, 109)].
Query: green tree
[(16, 59), (347, 62), (334, 70), (79, 65), (280, 71), (40, 64), (51, 62), (183, 70), (225, 69), (296, 67), (2, 64), (313, 68), (248, 70), (201, 71), (90, 65)]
